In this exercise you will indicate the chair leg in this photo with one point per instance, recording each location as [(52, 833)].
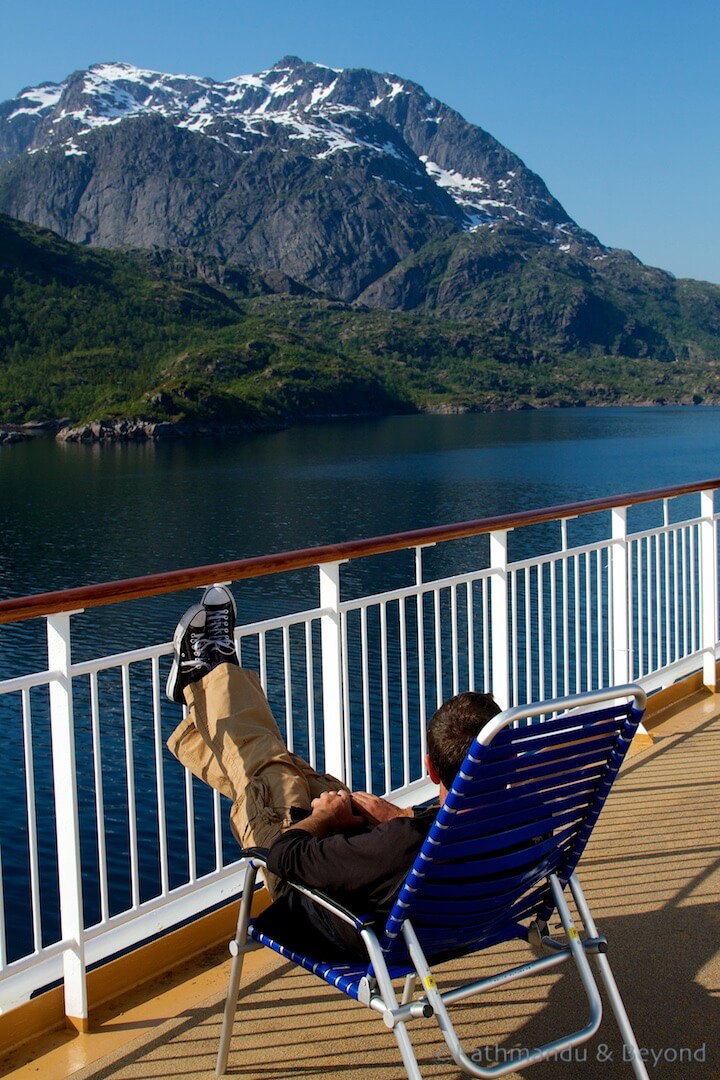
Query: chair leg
[(229, 1013), (389, 997), (237, 947), (408, 989), (406, 1052), (603, 965), (623, 1020)]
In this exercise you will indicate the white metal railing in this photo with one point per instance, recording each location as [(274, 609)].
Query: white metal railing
[(111, 843)]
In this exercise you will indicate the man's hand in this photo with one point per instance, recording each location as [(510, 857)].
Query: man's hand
[(332, 812), (375, 810)]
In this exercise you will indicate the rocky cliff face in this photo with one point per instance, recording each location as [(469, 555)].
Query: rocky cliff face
[(335, 178)]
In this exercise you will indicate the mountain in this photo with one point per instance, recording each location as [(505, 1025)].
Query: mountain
[(308, 241), (332, 177)]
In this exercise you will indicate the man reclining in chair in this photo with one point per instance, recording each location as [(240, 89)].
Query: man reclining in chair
[(355, 846)]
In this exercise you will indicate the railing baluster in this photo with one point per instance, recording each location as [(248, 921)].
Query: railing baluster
[(67, 820), (287, 677), (385, 704), (217, 829), (677, 609), (600, 616), (658, 635), (636, 554), (3, 933), (708, 587), (541, 629), (190, 812), (694, 642), (159, 749), (529, 636), (592, 600), (470, 631), (420, 623), (669, 610), (130, 784), (350, 773), (565, 585), (99, 796), (514, 637), (649, 595), (500, 644), (622, 605), (32, 823), (487, 634), (365, 691), (579, 622), (330, 638), (437, 615), (310, 690), (454, 658), (687, 629), (404, 694), (262, 658), (554, 624)]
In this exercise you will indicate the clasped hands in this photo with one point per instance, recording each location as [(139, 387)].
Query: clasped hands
[(339, 811)]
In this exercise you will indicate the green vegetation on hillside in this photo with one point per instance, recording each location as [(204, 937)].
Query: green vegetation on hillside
[(92, 334)]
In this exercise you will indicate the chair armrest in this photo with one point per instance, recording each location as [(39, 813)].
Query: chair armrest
[(258, 854), (359, 922)]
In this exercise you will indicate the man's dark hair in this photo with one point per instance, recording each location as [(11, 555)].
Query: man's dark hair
[(452, 729)]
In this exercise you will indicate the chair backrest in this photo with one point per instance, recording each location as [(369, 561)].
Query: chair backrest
[(522, 807)]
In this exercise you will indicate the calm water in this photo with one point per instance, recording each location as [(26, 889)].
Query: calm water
[(73, 515)]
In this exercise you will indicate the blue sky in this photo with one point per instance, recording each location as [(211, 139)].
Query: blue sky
[(614, 104)]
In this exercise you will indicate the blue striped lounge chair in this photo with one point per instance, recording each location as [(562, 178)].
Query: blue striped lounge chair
[(497, 865)]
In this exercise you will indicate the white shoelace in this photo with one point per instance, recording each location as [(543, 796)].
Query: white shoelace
[(218, 630), (198, 646)]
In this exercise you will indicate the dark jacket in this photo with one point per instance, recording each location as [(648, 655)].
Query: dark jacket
[(363, 870)]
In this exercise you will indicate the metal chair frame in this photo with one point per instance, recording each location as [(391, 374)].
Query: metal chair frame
[(563, 769)]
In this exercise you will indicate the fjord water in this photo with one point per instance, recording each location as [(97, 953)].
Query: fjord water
[(75, 514)]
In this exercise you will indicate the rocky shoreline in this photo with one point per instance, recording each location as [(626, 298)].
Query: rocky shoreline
[(118, 430), (105, 431), (143, 430), (139, 430), (8, 437)]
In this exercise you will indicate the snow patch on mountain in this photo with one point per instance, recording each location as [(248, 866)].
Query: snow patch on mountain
[(37, 100), (471, 193), (320, 93)]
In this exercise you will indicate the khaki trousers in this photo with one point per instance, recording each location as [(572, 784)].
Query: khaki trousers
[(230, 740)]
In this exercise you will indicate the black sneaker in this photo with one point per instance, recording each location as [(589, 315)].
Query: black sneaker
[(191, 659), (218, 604)]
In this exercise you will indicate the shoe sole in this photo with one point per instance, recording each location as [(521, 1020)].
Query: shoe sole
[(180, 631)]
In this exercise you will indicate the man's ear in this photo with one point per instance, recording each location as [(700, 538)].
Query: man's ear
[(432, 771)]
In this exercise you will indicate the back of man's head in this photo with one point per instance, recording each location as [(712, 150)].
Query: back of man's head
[(452, 729)]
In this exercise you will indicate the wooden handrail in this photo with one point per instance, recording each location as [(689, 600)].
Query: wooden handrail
[(112, 592)]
